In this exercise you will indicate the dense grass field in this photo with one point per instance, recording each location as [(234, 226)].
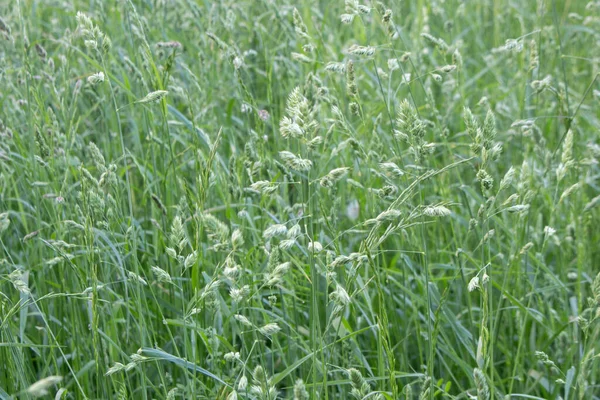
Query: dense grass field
[(318, 199)]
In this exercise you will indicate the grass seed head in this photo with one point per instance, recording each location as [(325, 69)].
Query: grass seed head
[(299, 25), (363, 51), (41, 387), (153, 96), (436, 211), (269, 329), (300, 392), (481, 385)]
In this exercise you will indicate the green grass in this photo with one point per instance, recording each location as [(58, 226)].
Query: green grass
[(230, 199)]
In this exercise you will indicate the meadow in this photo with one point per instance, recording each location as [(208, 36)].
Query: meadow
[(320, 199)]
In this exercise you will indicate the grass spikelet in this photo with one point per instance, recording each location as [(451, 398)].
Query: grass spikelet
[(457, 58), (299, 122), (408, 392), (487, 182), (519, 208), (508, 178), (446, 69), (592, 204), (243, 383), (275, 277), (411, 129), (481, 385), (364, 9), (391, 168), (315, 247), (239, 294), (222, 45), (351, 6), (567, 151), (301, 58), (96, 78), (30, 236), (526, 248), (541, 85), (360, 387), (339, 296), (299, 25), (41, 387), (294, 162), (570, 190), (347, 18), (436, 211), (289, 128), (263, 187), (41, 52), (135, 277), (363, 51), (388, 215), (243, 320), (237, 239), (153, 97), (190, 260), (274, 231), (437, 42), (269, 329), (333, 176), (473, 284), (172, 394), (351, 87), (300, 392), (232, 396), (178, 237), (425, 389), (117, 367), (159, 204), (294, 232), (340, 68), (259, 375), (534, 61), (216, 230), (471, 123), (162, 275), (17, 278), (489, 129)]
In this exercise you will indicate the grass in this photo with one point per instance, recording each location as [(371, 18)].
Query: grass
[(294, 200)]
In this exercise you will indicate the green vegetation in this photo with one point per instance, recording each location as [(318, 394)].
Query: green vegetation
[(269, 199)]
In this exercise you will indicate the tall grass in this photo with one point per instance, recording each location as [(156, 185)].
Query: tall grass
[(316, 199)]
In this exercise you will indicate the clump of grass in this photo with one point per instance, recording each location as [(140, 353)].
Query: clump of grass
[(249, 200)]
